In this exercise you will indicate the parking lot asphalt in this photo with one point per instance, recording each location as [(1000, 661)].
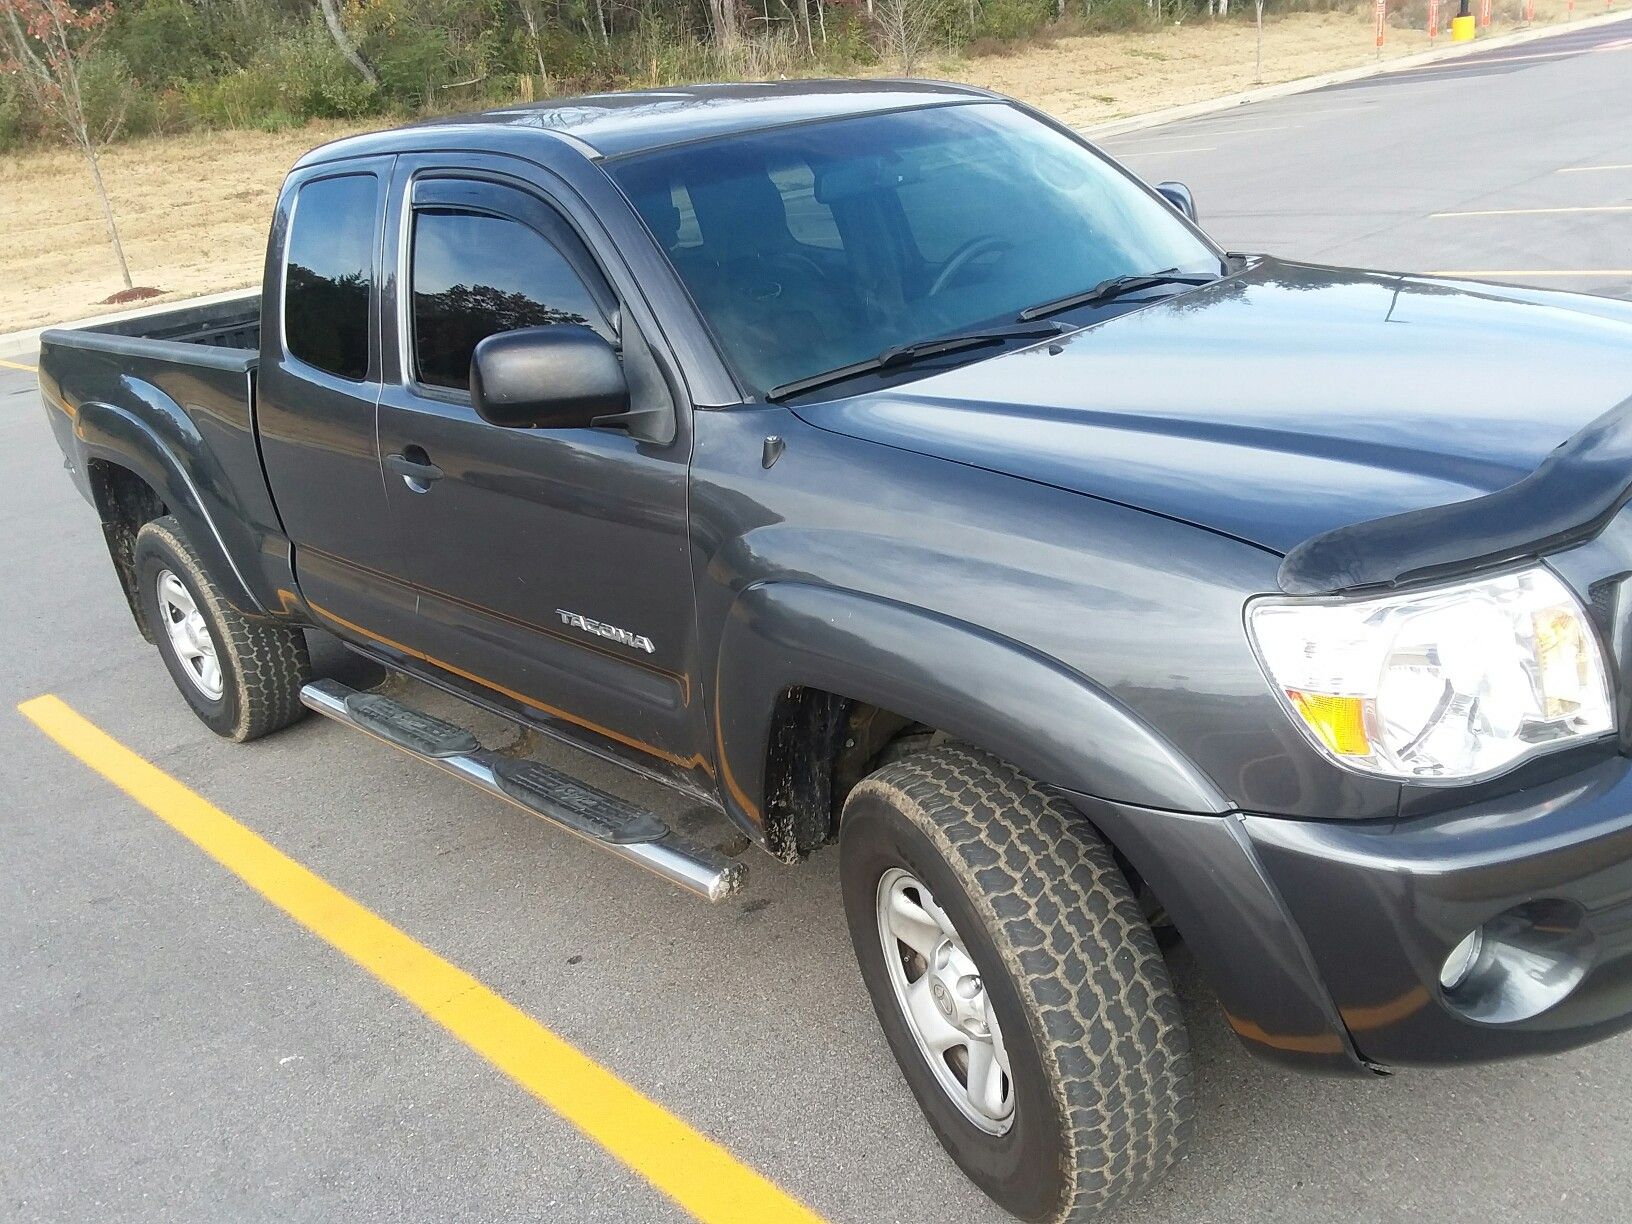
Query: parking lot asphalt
[(175, 1046)]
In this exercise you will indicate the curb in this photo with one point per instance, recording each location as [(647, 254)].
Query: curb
[(1264, 93), (30, 338)]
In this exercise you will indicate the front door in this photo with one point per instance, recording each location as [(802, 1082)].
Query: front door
[(550, 567)]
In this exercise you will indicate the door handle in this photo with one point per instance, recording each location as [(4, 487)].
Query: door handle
[(415, 468)]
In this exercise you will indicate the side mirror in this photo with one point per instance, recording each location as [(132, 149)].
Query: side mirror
[(562, 376), (1178, 195)]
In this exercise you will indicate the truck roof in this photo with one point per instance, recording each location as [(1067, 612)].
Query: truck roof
[(611, 124)]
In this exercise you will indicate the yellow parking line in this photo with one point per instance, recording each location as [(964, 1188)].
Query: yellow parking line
[(1562, 272), (693, 1170), (1583, 169), (1530, 212), (17, 365)]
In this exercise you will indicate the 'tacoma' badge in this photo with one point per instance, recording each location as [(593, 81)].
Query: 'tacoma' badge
[(602, 629)]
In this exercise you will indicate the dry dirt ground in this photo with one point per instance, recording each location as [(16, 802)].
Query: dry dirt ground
[(193, 210)]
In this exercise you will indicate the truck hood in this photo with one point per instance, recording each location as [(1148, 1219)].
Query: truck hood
[(1280, 403)]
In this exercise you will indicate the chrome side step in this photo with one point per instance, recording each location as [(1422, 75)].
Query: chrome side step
[(621, 828)]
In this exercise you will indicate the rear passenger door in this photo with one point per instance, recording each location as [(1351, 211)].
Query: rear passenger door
[(317, 390), (551, 566)]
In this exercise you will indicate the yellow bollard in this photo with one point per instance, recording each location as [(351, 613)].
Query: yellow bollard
[(1462, 29)]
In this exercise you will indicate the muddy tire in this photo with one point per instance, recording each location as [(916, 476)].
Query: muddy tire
[(241, 677), (960, 872)]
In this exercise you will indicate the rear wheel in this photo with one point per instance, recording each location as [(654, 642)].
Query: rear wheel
[(242, 677), (1017, 982)]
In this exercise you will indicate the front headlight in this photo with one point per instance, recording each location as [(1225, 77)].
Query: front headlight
[(1448, 684)]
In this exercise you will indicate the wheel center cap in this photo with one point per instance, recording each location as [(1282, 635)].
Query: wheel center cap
[(943, 998)]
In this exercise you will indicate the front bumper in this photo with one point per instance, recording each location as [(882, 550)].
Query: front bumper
[(1325, 940)]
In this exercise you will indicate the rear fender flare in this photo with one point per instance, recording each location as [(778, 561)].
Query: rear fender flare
[(118, 436), (1053, 723)]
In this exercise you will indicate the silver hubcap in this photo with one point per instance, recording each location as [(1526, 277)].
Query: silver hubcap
[(945, 1004), (189, 635)]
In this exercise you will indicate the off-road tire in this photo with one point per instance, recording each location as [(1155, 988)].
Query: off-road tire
[(263, 665), (1099, 1056)]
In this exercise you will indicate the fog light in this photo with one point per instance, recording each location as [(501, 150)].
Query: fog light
[(1460, 963)]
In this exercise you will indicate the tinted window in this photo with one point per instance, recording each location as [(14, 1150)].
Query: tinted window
[(330, 275), (475, 276), (816, 246)]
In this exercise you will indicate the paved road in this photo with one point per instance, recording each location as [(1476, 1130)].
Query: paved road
[(1515, 165), (172, 1046)]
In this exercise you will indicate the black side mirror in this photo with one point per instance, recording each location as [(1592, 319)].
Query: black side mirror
[(1178, 195), (563, 376)]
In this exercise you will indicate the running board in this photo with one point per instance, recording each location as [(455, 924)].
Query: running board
[(610, 823)]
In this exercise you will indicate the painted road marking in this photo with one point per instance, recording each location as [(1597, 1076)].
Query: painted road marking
[(17, 365), (1471, 62), (693, 1170), (1610, 272), (1219, 127), (1214, 131), (1584, 169), (1174, 149), (1533, 212), (1299, 112)]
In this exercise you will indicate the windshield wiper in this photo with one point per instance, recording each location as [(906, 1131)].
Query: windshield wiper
[(899, 355), (1115, 287)]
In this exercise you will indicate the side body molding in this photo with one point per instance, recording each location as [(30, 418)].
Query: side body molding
[(1050, 721)]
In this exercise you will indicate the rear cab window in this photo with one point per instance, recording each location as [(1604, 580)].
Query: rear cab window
[(329, 274)]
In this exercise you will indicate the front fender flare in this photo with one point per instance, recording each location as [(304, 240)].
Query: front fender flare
[(1053, 723)]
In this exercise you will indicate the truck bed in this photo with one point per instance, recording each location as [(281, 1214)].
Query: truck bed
[(169, 398), (222, 335)]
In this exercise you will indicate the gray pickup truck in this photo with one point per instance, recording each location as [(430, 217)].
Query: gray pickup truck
[(883, 464)]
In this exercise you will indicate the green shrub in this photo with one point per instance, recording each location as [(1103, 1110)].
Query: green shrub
[(299, 76), (165, 40), (247, 98), (315, 80), (115, 103), (13, 131), (420, 48), (1129, 14), (1011, 19)]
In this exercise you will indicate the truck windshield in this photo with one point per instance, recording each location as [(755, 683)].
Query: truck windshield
[(818, 246)]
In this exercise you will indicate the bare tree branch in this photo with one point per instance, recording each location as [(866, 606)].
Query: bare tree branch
[(906, 29)]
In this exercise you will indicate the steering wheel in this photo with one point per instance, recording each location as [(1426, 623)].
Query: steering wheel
[(764, 277), (986, 244), (796, 259)]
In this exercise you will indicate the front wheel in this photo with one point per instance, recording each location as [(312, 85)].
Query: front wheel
[(242, 677), (1017, 982)]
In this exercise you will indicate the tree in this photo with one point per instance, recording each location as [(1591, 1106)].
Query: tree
[(45, 46), (906, 28), (331, 18), (723, 17), (530, 15), (1258, 61)]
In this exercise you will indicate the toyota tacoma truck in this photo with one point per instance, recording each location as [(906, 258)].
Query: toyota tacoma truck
[(883, 464)]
